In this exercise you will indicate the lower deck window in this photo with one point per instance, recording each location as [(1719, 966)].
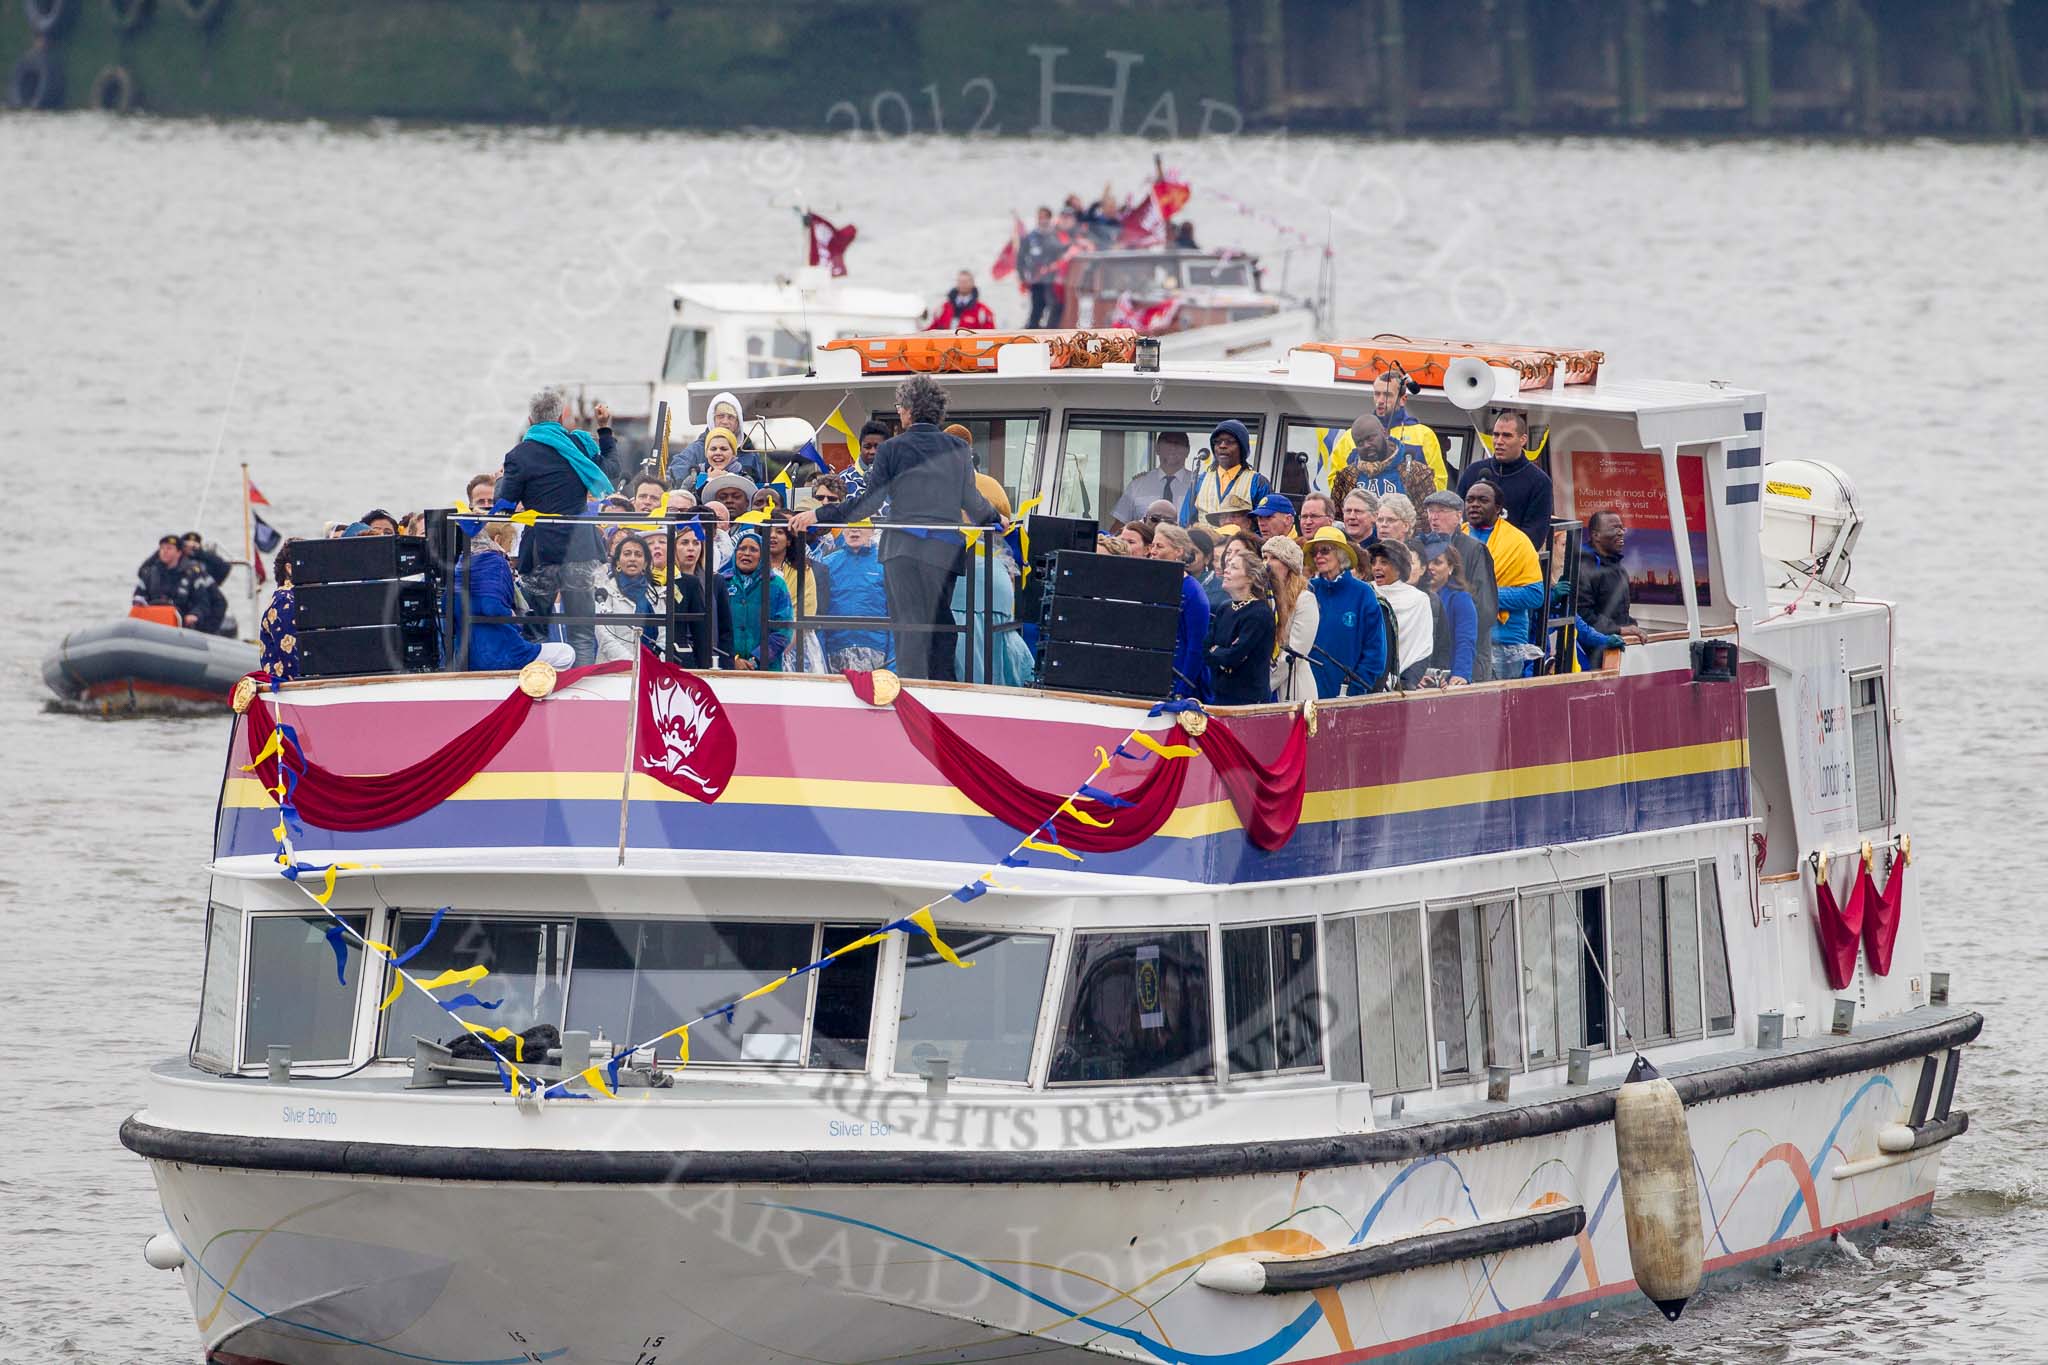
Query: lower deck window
[(1393, 1025), (1562, 996), (1271, 1003), (296, 992), (635, 979), (529, 973), (1475, 1003), (1654, 932), (982, 1021), (1136, 1008), (843, 1015)]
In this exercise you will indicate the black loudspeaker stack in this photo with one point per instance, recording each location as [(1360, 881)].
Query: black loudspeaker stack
[(362, 607), (1108, 625)]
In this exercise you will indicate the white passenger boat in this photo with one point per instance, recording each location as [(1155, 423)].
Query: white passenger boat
[(1243, 1089)]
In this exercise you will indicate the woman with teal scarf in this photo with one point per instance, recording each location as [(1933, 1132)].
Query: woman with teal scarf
[(1012, 659), (745, 582)]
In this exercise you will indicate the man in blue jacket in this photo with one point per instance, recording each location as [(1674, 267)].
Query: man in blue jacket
[(857, 590), (1351, 636)]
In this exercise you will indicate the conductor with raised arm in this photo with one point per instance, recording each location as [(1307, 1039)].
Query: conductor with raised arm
[(924, 478)]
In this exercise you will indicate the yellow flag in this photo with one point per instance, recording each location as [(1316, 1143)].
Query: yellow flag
[(498, 1035), (923, 920), (595, 1075), (777, 984), (468, 976), (1041, 846), (1164, 750), (272, 748)]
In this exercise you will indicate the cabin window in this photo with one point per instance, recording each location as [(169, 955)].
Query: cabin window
[(843, 1013), (1136, 1008), (223, 983), (1006, 447), (1391, 1013), (1474, 1002), (688, 356), (1103, 455), (1872, 757), (1562, 999), (981, 1022), (634, 979), (296, 995), (777, 352), (529, 975), (1655, 968), (1271, 1002), (1720, 992)]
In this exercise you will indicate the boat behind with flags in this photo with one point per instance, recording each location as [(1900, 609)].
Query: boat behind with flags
[(647, 1012)]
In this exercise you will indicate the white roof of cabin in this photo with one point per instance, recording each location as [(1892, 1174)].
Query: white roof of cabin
[(832, 299)]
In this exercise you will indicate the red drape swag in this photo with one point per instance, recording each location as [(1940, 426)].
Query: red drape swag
[(1267, 800), (344, 801), (1840, 928), (1023, 808), (1881, 914)]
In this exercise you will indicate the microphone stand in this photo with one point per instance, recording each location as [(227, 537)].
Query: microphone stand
[(1362, 684)]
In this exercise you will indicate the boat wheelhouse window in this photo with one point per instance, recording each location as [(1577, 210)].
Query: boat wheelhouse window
[(777, 351), (223, 984), (1006, 445), (1720, 993), (1562, 999), (1654, 929), (1475, 1005), (528, 961), (1218, 274), (1102, 455), (982, 1022), (843, 1012), (296, 993), (1871, 760), (1272, 1005), (638, 978), (1136, 1007), (688, 356)]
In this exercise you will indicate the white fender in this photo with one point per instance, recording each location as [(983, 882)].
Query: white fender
[(1660, 1194)]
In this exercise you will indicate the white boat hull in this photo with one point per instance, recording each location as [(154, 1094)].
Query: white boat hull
[(332, 1269)]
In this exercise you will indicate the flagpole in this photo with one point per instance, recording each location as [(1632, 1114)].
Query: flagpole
[(632, 745), (249, 551)]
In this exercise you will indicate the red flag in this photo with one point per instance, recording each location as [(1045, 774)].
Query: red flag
[(829, 243), (256, 494), (1881, 915), (685, 740), (1006, 260)]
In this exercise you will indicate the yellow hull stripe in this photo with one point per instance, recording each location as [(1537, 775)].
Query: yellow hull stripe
[(1213, 817)]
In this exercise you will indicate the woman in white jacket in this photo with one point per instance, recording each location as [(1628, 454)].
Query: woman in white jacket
[(1298, 618)]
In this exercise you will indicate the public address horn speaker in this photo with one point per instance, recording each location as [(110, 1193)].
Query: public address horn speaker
[(1469, 383)]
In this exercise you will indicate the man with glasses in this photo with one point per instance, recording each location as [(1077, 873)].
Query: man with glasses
[(1170, 479)]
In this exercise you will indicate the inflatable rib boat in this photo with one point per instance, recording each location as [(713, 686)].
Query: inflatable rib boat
[(138, 665)]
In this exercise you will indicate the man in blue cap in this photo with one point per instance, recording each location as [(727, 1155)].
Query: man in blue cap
[(1276, 517)]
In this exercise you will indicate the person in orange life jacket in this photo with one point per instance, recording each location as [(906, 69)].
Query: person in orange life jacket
[(1524, 489), (963, 309), (1518, 578), (1230, 485)]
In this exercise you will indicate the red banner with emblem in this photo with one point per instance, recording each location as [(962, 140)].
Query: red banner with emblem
[(683, 738)]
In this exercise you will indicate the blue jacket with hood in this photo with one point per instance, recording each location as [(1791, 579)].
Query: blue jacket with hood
[(1351, 631)]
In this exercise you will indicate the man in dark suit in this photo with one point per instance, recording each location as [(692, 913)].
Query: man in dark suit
[(925, 477)]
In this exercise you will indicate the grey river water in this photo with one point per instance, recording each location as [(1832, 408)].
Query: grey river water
[(358, 313)]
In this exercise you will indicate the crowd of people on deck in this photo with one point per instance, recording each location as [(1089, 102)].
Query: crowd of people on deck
[(1401, 576)]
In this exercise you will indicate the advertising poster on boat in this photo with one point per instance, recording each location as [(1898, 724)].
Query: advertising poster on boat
[(1823, 720), (1631, 482)]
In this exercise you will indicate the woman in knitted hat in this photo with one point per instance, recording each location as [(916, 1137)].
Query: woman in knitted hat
[(1296, 618)]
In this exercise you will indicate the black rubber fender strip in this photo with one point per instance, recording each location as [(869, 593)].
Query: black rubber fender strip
[(1750, 1075), (1428, 1249)]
